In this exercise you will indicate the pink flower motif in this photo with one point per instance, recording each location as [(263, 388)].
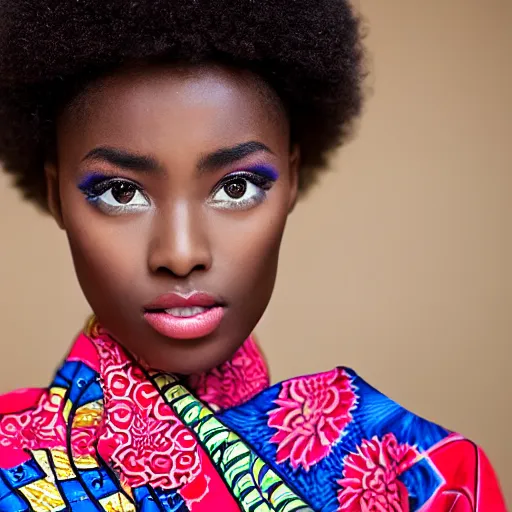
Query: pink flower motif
[(145, 395), (141, 437), (235, 381), (119, 383), (311, 415), (44, 427), (39, 428), (370, 477), (83, 441)]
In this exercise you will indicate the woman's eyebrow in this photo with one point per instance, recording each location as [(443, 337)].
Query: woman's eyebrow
[(226, 156), (123, 158), (143, 163)]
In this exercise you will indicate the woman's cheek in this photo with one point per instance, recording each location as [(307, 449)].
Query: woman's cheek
[(105, 261), (249, 268)]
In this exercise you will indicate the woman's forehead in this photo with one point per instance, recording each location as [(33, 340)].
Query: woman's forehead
[(153, 105)]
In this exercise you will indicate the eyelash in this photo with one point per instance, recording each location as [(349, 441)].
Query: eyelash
[(95, 186), (263, 184), (256, 179)]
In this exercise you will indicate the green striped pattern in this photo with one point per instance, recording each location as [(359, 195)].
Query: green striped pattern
[(255, 485)]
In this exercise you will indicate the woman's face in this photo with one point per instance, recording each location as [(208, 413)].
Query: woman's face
[(174, 186)]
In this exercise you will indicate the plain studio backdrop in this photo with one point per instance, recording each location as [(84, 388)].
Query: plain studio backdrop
[(399, 264)]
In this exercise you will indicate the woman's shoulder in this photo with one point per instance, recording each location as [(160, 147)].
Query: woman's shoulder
[(16, 415), (342, 402), (334, 432)]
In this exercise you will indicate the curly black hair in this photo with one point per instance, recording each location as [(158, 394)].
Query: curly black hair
[(309, 51)]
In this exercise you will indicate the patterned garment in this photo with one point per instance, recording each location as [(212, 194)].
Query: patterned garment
[(111, 435)]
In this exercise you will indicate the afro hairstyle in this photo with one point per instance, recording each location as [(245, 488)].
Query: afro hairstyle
[(309, 52)]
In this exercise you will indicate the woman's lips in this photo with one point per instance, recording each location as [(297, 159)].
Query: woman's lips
[(185, 328), (195, 315)]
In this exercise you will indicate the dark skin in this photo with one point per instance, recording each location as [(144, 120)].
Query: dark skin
[(172, 135)]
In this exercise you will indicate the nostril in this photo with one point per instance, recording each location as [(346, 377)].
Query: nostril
[(174, 273)]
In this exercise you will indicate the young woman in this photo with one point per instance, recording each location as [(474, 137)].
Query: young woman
[(170, 140)]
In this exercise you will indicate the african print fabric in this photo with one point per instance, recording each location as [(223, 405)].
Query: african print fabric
[(111, 435)]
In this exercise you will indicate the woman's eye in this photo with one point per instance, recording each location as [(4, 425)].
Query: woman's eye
[(123, 193), (236, 189), (115, 197), (240, 192)]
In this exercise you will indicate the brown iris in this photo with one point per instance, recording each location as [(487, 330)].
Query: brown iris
[(236, 188), (123, 192)]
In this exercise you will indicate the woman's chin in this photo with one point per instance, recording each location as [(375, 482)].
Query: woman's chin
[(190, 357)]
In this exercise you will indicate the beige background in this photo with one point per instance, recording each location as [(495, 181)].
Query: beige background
[(399, 265)]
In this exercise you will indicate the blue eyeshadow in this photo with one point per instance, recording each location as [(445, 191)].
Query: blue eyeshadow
[(91, 180), (265, 170)]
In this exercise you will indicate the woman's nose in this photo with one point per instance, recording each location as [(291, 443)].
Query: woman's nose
[(180, 242)]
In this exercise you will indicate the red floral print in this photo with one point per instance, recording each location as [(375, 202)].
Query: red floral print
[(235, 381), (136, 433), (45, 427), (141, 437), (311, 415), (42, 427), (370, 477), (83, 441)]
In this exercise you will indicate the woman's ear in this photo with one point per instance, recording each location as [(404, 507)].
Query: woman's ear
[(294, 167), (53, 194)]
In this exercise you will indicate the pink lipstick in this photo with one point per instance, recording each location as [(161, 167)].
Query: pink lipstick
[(195, 315)]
